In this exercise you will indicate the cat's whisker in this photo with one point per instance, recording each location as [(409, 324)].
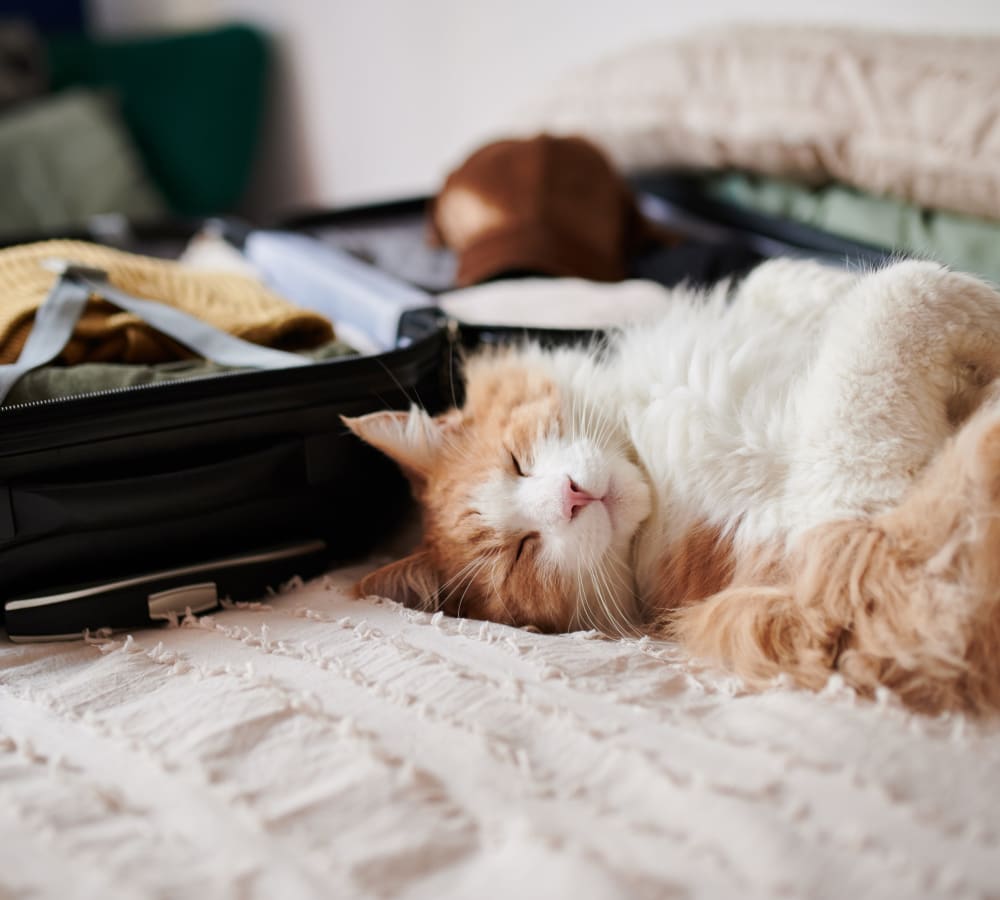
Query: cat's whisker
[(582, 609), (468, 584), (609, 438), (609, 575), (619, 618), (412, 400), (497, 593), (592, 422), (466, 576), (599, 425), (469, 573), (572, 416), (605, 591), (619, 572), (601, 587), (622, 569), (460, 574)]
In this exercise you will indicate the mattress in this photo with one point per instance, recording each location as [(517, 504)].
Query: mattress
[(314, 745)]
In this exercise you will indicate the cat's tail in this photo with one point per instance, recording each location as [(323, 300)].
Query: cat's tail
[(909, 600)]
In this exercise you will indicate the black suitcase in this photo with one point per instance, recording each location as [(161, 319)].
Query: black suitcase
[(124, 508), (127, 506)]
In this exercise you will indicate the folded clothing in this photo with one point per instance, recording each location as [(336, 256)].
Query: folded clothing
[(963, 242), (231, 302)]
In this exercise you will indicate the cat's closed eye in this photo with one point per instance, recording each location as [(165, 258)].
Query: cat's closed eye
[(524, 543), (517, 464)]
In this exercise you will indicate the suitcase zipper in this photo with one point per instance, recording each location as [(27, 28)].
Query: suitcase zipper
[(110, 392)]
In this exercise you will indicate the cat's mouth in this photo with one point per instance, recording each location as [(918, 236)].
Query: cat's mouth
[(610, 501), (577, 500)]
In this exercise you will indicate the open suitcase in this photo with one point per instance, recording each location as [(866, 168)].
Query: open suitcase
[(128, 507)]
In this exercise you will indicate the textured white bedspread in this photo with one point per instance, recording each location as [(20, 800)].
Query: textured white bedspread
[(317, 746)]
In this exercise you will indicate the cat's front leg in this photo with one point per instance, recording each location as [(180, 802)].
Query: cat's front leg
[(907, 357)]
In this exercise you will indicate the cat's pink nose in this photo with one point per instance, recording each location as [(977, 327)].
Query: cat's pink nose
[(574, 498)]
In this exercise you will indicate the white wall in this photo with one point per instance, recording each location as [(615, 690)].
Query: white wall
[(379, 98)]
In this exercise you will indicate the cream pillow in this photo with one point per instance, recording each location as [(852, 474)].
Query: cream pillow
[(911, 115)]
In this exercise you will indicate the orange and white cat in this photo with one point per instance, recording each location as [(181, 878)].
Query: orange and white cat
[(803, 478)]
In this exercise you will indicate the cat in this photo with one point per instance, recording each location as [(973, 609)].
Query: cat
[(797, 475)]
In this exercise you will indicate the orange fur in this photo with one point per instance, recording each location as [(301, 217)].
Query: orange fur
[(697, 566)]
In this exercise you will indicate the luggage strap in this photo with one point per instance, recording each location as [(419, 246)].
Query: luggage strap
[(58, 314)]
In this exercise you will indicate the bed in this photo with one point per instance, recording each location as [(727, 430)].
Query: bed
[(315, 745)]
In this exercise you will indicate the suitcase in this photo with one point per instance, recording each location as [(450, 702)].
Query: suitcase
[(128, 507), (124, 507)]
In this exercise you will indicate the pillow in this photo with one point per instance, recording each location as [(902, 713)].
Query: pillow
[(67, 157), (914, 116)]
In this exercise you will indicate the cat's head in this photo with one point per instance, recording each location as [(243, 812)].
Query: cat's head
[(530, 500)]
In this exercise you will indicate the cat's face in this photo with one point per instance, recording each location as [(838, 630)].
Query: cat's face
[(530, 503)]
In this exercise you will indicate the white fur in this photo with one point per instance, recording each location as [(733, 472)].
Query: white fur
[(815, 394)]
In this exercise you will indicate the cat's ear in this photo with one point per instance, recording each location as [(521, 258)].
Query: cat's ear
[(411, 438), (412, 581)]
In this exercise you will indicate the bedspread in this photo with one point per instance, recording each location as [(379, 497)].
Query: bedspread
[(319, 746)]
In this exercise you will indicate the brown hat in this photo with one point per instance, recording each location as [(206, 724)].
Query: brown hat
[(552, 205)]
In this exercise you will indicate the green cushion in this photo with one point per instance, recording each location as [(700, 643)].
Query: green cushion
[(193, 103)]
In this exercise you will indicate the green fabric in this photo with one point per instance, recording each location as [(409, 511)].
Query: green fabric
[(963, 242), (193, 102), (67, 157), (51, 382)]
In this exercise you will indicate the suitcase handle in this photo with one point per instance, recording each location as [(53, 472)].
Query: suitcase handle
[(58, 314), (141, 600), (74, 505)]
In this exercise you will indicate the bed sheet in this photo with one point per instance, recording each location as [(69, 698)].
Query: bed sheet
[(314, 745)]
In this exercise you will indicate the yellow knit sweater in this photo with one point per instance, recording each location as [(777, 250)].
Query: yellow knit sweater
[(231, 302)]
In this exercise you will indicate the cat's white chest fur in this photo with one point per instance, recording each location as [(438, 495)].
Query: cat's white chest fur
[(709, 400)]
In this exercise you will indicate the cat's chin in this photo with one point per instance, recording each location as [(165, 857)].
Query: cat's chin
[(608, 525)]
